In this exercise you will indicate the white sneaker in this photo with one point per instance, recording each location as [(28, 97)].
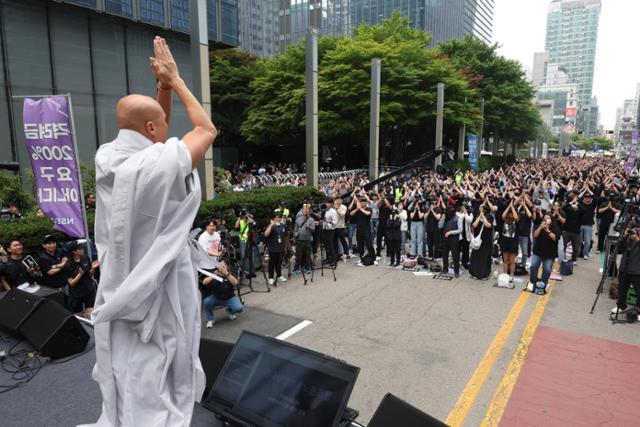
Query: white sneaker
[(530, 287), (375, 262), (271, 282), (360, 264), (585, 257), (232, 316), (617, 310), (209, 324), (377, 258), (282, 279)]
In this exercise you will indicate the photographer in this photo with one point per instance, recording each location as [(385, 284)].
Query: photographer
[(52, 262), (275, 234), (304, 227), (82, 290), (243, 224), (15, 271), (434, 235), (220, 293), (629, 266), (545, 250)]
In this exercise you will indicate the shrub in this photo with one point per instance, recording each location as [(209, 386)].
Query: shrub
[(11, 191), (261, 203)]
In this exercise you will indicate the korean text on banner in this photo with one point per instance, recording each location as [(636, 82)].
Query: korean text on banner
[(47, 131), (473, 151)]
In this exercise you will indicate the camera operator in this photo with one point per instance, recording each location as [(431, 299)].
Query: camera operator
[(275, 234), (329, 222), (243, 224), (82, 290), (629, 266), (304, 227), (361, 215), (52, 262), (220, 293), (15, 272)]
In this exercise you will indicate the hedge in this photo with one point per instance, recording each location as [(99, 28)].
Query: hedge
[(261, 203)]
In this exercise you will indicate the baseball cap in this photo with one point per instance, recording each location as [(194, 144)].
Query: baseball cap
[(48, 239)]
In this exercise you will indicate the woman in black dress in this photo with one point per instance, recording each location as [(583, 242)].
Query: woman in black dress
[(509, 239), (480, 263)]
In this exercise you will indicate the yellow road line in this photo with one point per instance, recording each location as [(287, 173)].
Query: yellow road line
[(503, 392), (473, 387)]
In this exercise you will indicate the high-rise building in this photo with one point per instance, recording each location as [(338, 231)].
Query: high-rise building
[(540, 60), (444, 19), (97, 51), (571, 39), (559, 87)]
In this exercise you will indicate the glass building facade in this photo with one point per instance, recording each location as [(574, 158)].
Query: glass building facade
[(49, 47), (571, 39), (269, 26)]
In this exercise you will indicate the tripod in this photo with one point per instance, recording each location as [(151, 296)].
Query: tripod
[(610, 257), (332, 264), (248, 259)]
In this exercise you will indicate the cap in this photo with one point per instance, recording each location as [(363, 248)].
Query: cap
[(49, 238), (74, 245)]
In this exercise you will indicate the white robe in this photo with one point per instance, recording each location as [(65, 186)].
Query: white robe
[(147, 311)]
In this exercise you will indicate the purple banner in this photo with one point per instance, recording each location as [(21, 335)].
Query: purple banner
[(631, 160), (47, 131)]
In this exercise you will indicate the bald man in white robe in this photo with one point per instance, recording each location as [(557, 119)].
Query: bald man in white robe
[(147, 311)]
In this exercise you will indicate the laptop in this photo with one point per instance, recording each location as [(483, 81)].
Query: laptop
[(267, 382)]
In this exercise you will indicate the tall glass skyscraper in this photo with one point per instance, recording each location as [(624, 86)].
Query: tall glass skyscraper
[(444, 19), (572, 35)]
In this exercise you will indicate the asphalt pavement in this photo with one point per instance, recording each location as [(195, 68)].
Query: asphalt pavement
[(420, 338)]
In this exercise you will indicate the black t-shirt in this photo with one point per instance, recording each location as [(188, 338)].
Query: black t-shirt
[(16, 273), (221, 290), (275, 240), (573, 218), (524, 225), (588, 211), (363, 221), (414, 216), (546, 248), (432, 222), (85, 284), (46, 261)]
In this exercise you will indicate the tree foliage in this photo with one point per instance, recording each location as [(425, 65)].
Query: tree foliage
[(231, 73), (509, 112)]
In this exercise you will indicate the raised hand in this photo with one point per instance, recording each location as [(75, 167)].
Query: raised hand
[(163, 65)]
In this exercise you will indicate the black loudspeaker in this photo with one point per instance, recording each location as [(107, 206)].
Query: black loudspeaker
[(52, 294), (213, 355), (15, 308), (393, 412), (54, 331)]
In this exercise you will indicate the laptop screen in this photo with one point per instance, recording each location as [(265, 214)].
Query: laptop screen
[(271, 383)]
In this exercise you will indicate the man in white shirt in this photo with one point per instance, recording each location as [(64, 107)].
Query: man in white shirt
[(147, 312), (341, 246), (329, 231), (210, 239)]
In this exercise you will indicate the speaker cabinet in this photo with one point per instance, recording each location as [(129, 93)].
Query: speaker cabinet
[(213, 355), (15, 308), (54, 331)]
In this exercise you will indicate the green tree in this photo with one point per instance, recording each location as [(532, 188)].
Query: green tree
[(509, 112), (231, 73), (589, 144), (410, 73)]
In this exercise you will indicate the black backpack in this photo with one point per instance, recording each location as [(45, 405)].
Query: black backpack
[(367, 260)]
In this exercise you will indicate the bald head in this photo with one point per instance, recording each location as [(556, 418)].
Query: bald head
[(143, 115), (133, 111)]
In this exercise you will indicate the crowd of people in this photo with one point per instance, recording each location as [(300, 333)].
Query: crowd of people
[(525, 216)]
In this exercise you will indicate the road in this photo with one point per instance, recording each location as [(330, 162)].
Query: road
[(463, 351)]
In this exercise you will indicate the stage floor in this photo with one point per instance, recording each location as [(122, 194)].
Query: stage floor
[(61, 394)]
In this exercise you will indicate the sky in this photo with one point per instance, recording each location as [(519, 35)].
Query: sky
[(520, 25)]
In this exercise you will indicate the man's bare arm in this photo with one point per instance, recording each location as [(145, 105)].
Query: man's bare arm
[(163, 97), (204, 132)]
